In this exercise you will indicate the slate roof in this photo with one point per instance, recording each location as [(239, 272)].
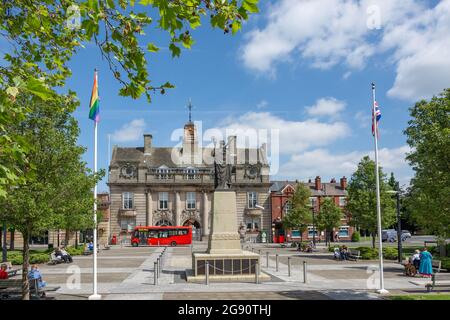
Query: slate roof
[(328, 188), (163, 156)]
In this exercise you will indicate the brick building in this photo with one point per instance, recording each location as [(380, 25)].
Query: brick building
[(281, 192)]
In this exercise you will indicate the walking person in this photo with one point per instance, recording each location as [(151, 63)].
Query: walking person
[(426, 268), (4, 271)]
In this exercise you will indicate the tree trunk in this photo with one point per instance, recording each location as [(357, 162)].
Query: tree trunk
[(11, 242), (373, 240), (76, 239), (58, 239), (25, 266), (66, 238)]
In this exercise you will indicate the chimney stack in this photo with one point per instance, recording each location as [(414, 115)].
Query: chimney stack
[(148, 144), (318, 183), (344, 183)]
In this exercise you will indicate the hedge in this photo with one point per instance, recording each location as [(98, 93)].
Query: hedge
[(40, 256), (356, 237)]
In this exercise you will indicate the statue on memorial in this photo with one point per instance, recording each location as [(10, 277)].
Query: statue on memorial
[(222, 170)]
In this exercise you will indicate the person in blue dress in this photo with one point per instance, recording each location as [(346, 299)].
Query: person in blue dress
[(426, 269)]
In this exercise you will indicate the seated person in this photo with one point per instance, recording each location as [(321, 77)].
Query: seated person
[(55, 258), (66, 256), (36, 274), (344, 253), (337, 254), (4, 272), (91, 246)]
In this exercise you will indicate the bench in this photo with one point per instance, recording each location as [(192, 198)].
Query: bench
[(14, 286), (11, 272), (436, 265), (353, 254), (438, 280)]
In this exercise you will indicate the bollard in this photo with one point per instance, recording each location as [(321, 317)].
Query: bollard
[(289, 266), (257, 272), (253, 249), (161, 261), (259, 251), (159, 267), (305, 279), (207, 273), (276, 261), (267, 259), (155, 272)]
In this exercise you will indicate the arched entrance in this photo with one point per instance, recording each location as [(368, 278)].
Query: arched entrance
[(163, 223), (196, 229)]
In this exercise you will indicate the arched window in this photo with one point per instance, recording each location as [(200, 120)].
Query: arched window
[(163, 223)]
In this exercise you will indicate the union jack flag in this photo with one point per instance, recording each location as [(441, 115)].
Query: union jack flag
[(378, 117)]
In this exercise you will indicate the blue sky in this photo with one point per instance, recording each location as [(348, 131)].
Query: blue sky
[(307, 75)]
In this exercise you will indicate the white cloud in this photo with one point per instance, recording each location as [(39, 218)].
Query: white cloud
[(129, 132), (330, 32), (294, 136), (364, 119), (326, 107), (262, 104), (327, 164)]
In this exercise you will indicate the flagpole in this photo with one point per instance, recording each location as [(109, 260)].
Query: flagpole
[(382, 290), (95, 295)]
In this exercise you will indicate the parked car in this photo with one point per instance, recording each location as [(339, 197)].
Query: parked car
[(405, 235), (389, 235)]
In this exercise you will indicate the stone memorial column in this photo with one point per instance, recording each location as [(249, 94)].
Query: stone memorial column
[(205, 222), (149, 217), (177, 208)]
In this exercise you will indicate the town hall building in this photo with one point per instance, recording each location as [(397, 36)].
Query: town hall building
[(159, 186)]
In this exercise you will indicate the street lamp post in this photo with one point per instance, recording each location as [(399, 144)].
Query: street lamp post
[(399, 226), (314, 227)]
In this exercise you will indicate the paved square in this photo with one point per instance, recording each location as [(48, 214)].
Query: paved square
[(128, 273)]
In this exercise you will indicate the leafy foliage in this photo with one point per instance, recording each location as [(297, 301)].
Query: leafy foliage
[(428, 135), (362, 198), (40, 37), (329, 216), (299, 215)]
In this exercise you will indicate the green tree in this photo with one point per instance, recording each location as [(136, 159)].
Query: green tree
[(361, 202), (329, 217), (38, 204), (40, 37), (299, 216), (428, 135)]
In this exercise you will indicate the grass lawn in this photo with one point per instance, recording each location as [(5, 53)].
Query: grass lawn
[(431, 296)]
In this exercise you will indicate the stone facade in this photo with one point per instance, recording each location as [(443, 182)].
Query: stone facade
[(174, 186)]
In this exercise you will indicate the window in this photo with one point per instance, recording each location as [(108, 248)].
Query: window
[(163, 223), (127, 199), (163, 200), (287, 207), (191, 173), (162, 173), (313, 201), (343, 231), (342, 201), (190, 200), (252, 200), (311, 232), (295, 233), (127, 224), (253, 224)]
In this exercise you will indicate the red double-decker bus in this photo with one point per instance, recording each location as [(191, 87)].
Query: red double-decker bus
[(161, 236)]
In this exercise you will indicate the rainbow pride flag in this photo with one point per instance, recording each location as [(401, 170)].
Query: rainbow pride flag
[(94, 106)]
